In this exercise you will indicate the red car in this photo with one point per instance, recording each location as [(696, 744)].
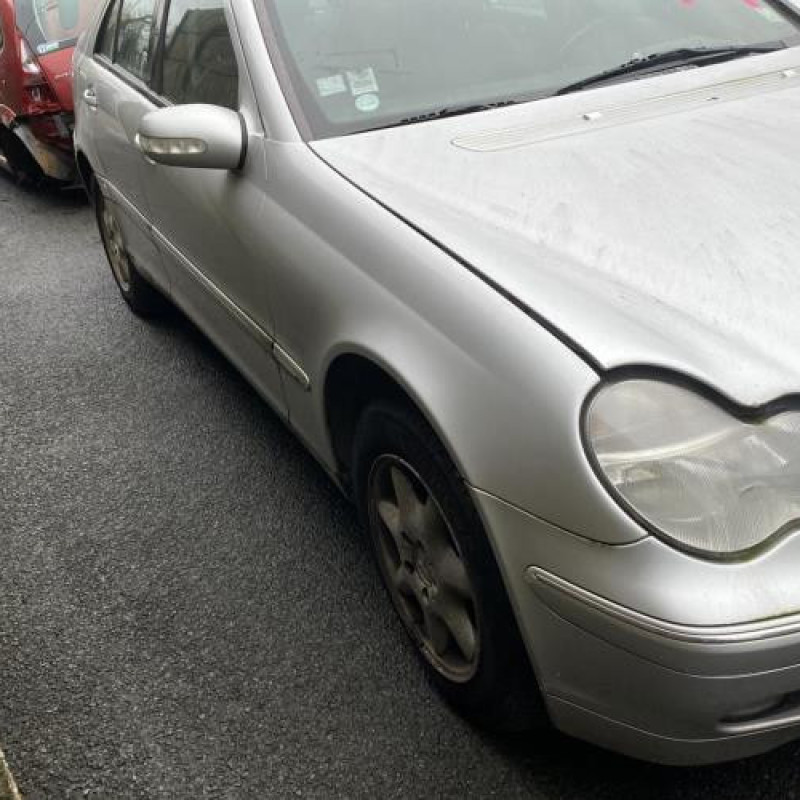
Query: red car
[(37, 38)]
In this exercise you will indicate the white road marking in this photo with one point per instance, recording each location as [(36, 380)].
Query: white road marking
[(8, 786)]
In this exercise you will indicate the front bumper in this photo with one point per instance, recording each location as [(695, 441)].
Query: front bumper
[(621, 656)]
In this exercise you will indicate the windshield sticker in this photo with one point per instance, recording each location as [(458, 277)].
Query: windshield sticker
[(362, 81), (333, 84), (368, 103), (769, 13), (47, 47)]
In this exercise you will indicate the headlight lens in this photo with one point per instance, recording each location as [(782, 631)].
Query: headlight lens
[(697, 475)]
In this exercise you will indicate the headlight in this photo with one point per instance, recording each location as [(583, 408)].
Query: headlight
[(697, 475)]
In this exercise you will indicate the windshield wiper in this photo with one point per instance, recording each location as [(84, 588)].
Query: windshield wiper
[(680, 57), (450, 111)]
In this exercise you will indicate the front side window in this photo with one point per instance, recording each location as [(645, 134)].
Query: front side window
[(50, 25), (361, 64), (135, 40), (199, 62), (108, 33)]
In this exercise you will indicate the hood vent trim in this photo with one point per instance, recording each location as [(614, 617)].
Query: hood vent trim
[(594, 119)]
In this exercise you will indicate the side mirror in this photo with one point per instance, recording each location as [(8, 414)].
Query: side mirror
[(199, 136)]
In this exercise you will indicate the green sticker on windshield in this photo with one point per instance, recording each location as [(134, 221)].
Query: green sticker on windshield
[(368, 103), (769, 13)]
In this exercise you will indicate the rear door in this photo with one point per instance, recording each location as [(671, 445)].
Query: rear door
[(115, 95)]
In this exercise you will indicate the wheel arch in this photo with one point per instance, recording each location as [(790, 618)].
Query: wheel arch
[(353, 381), (86, 173), (7, 116)]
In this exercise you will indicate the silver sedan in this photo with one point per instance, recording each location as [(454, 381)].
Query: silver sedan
[(522, 276)]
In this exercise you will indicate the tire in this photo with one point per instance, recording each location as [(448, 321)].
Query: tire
[(437, 564), (21, 163), (4, 153), (142, 297)]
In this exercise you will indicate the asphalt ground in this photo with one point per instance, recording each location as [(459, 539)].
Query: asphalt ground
[(187, 606)]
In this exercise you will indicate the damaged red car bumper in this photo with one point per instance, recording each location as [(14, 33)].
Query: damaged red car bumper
[(36, 104)]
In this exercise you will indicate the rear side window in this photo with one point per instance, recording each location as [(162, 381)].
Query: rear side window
[(50, 25), (199, 62), (135, 41), (108, 33)]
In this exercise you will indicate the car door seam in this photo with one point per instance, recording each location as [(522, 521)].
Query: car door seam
[(120, 197), (131, 81), (281, 356)]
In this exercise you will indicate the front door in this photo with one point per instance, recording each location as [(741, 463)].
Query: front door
[(204, 219)]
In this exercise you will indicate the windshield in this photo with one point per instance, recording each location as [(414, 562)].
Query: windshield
[(362, 64), (50, 25)]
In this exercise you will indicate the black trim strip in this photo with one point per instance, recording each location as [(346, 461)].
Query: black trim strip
[(245, 143), (130, 80), (785, 8)]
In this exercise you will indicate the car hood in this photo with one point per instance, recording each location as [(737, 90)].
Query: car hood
[(651, 223)]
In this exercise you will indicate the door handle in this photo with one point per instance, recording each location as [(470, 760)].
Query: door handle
[(90, 97)]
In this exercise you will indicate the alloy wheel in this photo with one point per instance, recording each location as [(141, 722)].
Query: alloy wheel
[(115, 245), (424, 568)]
